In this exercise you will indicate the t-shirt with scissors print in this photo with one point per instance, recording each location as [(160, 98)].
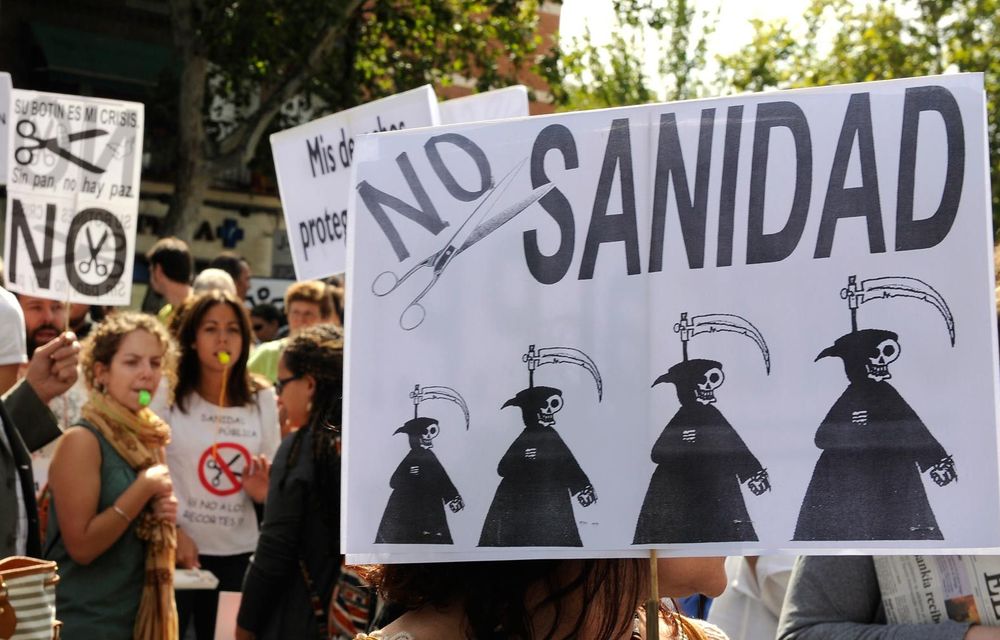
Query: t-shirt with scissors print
[(208, 455)]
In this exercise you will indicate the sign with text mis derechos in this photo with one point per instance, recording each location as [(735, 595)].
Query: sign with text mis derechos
[(72, 196), (712, 327), (313, 163)]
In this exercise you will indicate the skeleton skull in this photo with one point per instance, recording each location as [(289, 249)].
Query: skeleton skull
[(711, 381), (547, 411), (884, 354), (430, 432)]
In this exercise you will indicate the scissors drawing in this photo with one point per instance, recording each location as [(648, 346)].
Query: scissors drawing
[(26, 155), (472, 230), (100, 268), (214, 466)]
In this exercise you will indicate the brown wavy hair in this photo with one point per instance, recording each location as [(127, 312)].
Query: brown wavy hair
[(496, 596), (240, 387), (102, 343)]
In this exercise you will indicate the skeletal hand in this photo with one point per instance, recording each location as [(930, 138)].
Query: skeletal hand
[(587, 496), (943, 472), (456, 504), (759, 483)]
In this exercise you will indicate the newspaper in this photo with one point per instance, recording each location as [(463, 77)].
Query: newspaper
[(921, 589)]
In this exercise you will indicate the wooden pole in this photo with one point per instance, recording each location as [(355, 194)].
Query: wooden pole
[(653, 604)]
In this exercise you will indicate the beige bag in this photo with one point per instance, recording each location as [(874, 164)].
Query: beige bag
[(28, 599)]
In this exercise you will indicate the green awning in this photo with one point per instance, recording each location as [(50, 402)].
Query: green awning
[(83, 54)]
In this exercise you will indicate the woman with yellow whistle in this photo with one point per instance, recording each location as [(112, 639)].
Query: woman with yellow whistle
[(225, 432)]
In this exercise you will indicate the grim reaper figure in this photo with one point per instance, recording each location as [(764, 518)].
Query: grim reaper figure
[(420, 486), (694, 494), (532, 506), (866, 484)]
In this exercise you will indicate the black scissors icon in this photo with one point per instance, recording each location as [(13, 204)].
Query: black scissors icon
[(26, 155), (214, 466), (100, 268), (469, 233)]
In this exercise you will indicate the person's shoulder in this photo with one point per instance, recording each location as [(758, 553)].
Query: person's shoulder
[(709, 630)]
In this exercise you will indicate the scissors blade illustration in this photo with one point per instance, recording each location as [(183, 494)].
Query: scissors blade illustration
[(489, 226), (84, 135), (80, 162)]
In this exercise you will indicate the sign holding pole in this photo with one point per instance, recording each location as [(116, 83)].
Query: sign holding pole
[(73, 195)]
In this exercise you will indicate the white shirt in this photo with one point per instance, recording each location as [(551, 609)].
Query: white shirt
[(750, 606), (208, 456)]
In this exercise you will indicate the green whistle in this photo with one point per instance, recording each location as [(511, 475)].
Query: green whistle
[(145, 398)]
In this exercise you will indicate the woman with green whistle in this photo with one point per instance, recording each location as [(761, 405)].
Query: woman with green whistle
[(111, 528), (225, 432)]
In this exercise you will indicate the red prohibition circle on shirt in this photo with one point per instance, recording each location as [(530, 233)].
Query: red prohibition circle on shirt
[(221, 468)]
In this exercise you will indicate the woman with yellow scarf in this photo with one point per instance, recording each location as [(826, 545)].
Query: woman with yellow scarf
[(111, 528)]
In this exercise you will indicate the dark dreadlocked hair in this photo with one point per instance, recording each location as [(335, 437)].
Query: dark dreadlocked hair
[(318, 351)]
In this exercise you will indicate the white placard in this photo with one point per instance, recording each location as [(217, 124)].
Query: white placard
[(5, 89), (313, 163), (72, 196), (499, 104), (588, 307)]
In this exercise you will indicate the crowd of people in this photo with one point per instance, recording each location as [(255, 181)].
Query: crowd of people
[(207, 436)]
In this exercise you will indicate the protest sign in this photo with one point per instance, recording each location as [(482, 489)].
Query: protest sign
[(73, 196), (313, 163), (5, 89), (711, 327), (499, 104)]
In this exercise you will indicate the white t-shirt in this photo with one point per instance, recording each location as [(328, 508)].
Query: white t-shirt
[(213, 508)]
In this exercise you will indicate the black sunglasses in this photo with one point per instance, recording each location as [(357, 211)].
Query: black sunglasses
[(280, 383)]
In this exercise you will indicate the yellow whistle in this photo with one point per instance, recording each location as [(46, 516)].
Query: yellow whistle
[(224, 357)]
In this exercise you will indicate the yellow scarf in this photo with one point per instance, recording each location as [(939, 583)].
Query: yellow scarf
[(139, 438)]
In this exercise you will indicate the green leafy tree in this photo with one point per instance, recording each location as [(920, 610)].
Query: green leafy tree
[(267, 62), (614, 74), (844, 42)]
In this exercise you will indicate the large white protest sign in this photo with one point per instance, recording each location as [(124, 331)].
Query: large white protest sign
[(5, 89), (72, 196), (722, 326), (499, 104), (313, 163)]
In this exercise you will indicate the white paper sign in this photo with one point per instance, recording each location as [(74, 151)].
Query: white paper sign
[(499, 104), (313, 163), (5, 89), (711, 327), (73, 196)]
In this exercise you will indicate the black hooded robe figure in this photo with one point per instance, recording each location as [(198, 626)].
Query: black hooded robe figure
[(532, 505), (420, 489), (866, 484), (694, 494)]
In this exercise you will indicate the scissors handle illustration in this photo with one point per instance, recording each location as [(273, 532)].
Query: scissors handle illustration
[(100, 268), (25, 155)]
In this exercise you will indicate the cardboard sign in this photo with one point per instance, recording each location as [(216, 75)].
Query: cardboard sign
[(313, 163), (5, 89), (73, 196), (499, 104), (711, 327)]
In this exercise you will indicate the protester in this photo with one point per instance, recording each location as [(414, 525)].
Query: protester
[(26, 425), (170, 270), (298, 560), (44, 319), (211, 279), (225, 430), (111, 525), (266, 320), (306, 304), (838, 597), (238, 268), (13, 340), (557, 599)]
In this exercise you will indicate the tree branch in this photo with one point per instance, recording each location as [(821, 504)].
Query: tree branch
[(238, 148)]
